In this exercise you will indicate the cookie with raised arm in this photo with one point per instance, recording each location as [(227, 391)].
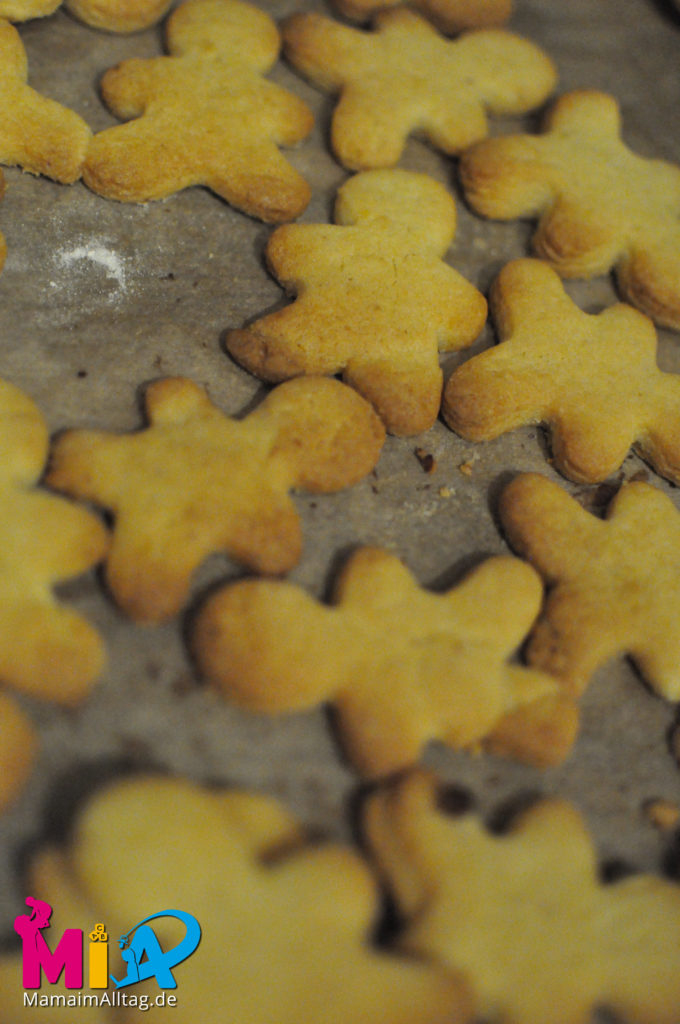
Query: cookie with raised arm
[(375, 300), (404, 77), (524, 915), (196, 481), (204, 115), (599, 205), (592, 380), (285, 924), (613, 584), (36, 133), (401, 666)]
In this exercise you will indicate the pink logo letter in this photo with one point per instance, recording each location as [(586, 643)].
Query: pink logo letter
[(67, 957)]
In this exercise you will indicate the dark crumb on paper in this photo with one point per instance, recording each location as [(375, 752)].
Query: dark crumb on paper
[(426, 460), (81, 374)]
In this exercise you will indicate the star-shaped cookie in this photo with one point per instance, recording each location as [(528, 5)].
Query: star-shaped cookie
[(36, 133), (599, 204), (524, 915), (613, 584), (285, 923), (375, 299), (46, 649), (593, 380), (405, 77), (204, 115), (401, 665), (196, 481)]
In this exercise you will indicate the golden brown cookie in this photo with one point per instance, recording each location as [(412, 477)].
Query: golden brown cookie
[(46, 649), (599, 204), (375, 299), (524, 915), (592, 380), (613, 585), (285, 923), (402, 666), (36, 133), (196, 481), (204, 115), (450, 16), (405, 77), (24, 10), (120, 16)]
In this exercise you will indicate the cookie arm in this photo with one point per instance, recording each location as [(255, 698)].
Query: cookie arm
[(324, 51)]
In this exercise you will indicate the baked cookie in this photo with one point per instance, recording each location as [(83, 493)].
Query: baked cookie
[(450, 16), (405, 77), (375, 299), (36, 133), (286, 923), (599, 204), (524, 915), (402, 666), (122, 16), (196, 481), (24, 10), (592, 380), (46, 650), (204, 115), (613, 585)]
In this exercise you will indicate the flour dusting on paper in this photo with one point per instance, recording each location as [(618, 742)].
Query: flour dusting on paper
[(98, 254)]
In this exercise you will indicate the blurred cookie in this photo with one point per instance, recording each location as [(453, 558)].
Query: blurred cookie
[(450, 16)]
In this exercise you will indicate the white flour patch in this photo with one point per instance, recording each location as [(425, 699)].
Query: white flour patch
[(83, 256)]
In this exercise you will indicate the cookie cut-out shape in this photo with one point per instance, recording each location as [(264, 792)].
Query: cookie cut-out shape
[(600, 205), (46, 649), (450, 16), (613, 584), (24, 10), (286, 924), (401, 665), (592, 380), (204, 115), (120, 16), (524, 915), (404, 77), (375, 299), (196, 481), (36, 133)]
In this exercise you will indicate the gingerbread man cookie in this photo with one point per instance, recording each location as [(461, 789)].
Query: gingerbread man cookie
[(375, 300), (204, 115), (599, 204), (450, 16), (524, 915), (111, 15), (613, 585), (196, 481), (402, 666), (405, 77), (36, 133), (285, 923), (46, 650), (593, 380)]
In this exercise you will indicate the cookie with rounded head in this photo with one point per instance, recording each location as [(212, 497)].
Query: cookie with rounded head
[(36, 133), (613, 584), (450, 16), (599, 205), (204, 115), (196, 481), (404, 77), (286, 923), (121, 16), (375, 300), (524, 915), (402, 666), (593, 380)]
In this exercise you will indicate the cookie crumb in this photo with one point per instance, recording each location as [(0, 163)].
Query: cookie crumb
[(663, 814), (466, 468), (445, 492), (426, 460)]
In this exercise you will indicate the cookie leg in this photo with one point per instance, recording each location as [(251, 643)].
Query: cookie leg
[(406, 399)]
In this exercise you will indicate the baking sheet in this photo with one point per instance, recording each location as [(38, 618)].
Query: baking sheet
[(98, 298)]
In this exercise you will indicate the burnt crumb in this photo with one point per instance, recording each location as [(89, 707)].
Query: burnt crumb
[(168, 277), (375, 489), (313, 504), (81, 374), (426, 460), (158, 362)]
